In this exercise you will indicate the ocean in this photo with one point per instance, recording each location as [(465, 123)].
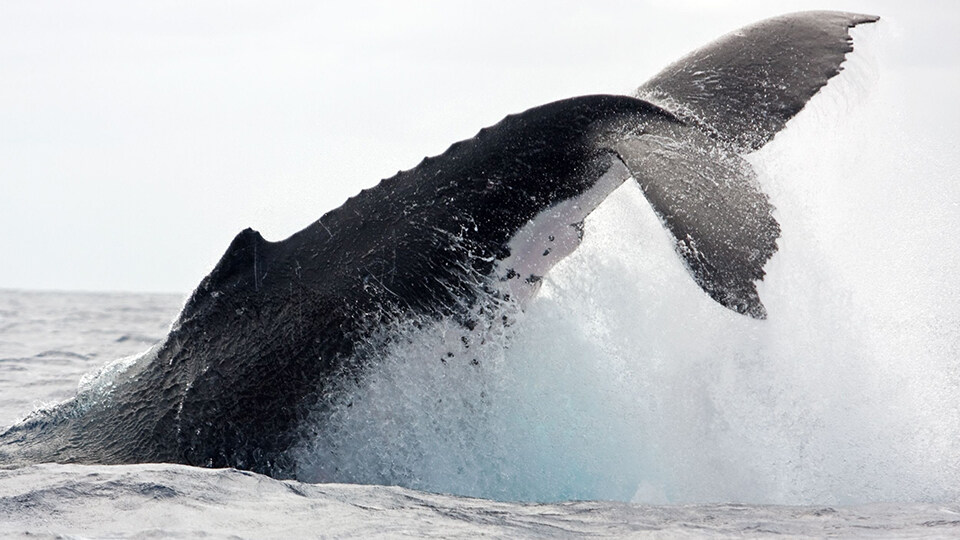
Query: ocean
[(49, 340)]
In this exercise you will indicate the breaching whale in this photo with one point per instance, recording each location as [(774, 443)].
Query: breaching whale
[(275, 324)]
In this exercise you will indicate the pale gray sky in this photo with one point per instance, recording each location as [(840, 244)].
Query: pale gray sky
[(137, 138)]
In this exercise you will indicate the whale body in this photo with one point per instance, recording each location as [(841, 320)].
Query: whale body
[(276, 325)]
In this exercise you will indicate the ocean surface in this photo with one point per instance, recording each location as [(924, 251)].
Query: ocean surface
[(48, 340)]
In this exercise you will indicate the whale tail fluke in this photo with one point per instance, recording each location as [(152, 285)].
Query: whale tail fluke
[(745, 86), (732, 97), (708, 198)]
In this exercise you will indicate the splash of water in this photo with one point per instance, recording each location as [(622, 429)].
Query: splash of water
[(622, 380)]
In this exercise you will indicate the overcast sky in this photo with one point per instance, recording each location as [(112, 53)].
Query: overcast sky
[(137, 138)]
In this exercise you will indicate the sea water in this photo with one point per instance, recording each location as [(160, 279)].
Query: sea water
[(48, 340)]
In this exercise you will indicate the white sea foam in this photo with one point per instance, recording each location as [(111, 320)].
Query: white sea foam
[(623, 381)]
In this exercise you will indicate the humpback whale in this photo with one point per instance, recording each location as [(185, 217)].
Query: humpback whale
[(275, 325)]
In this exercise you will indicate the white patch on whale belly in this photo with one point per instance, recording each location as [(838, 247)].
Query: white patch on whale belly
[(551, 235)]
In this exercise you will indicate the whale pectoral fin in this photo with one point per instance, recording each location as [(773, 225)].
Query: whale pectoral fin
[(746, 85), (709, 199)]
